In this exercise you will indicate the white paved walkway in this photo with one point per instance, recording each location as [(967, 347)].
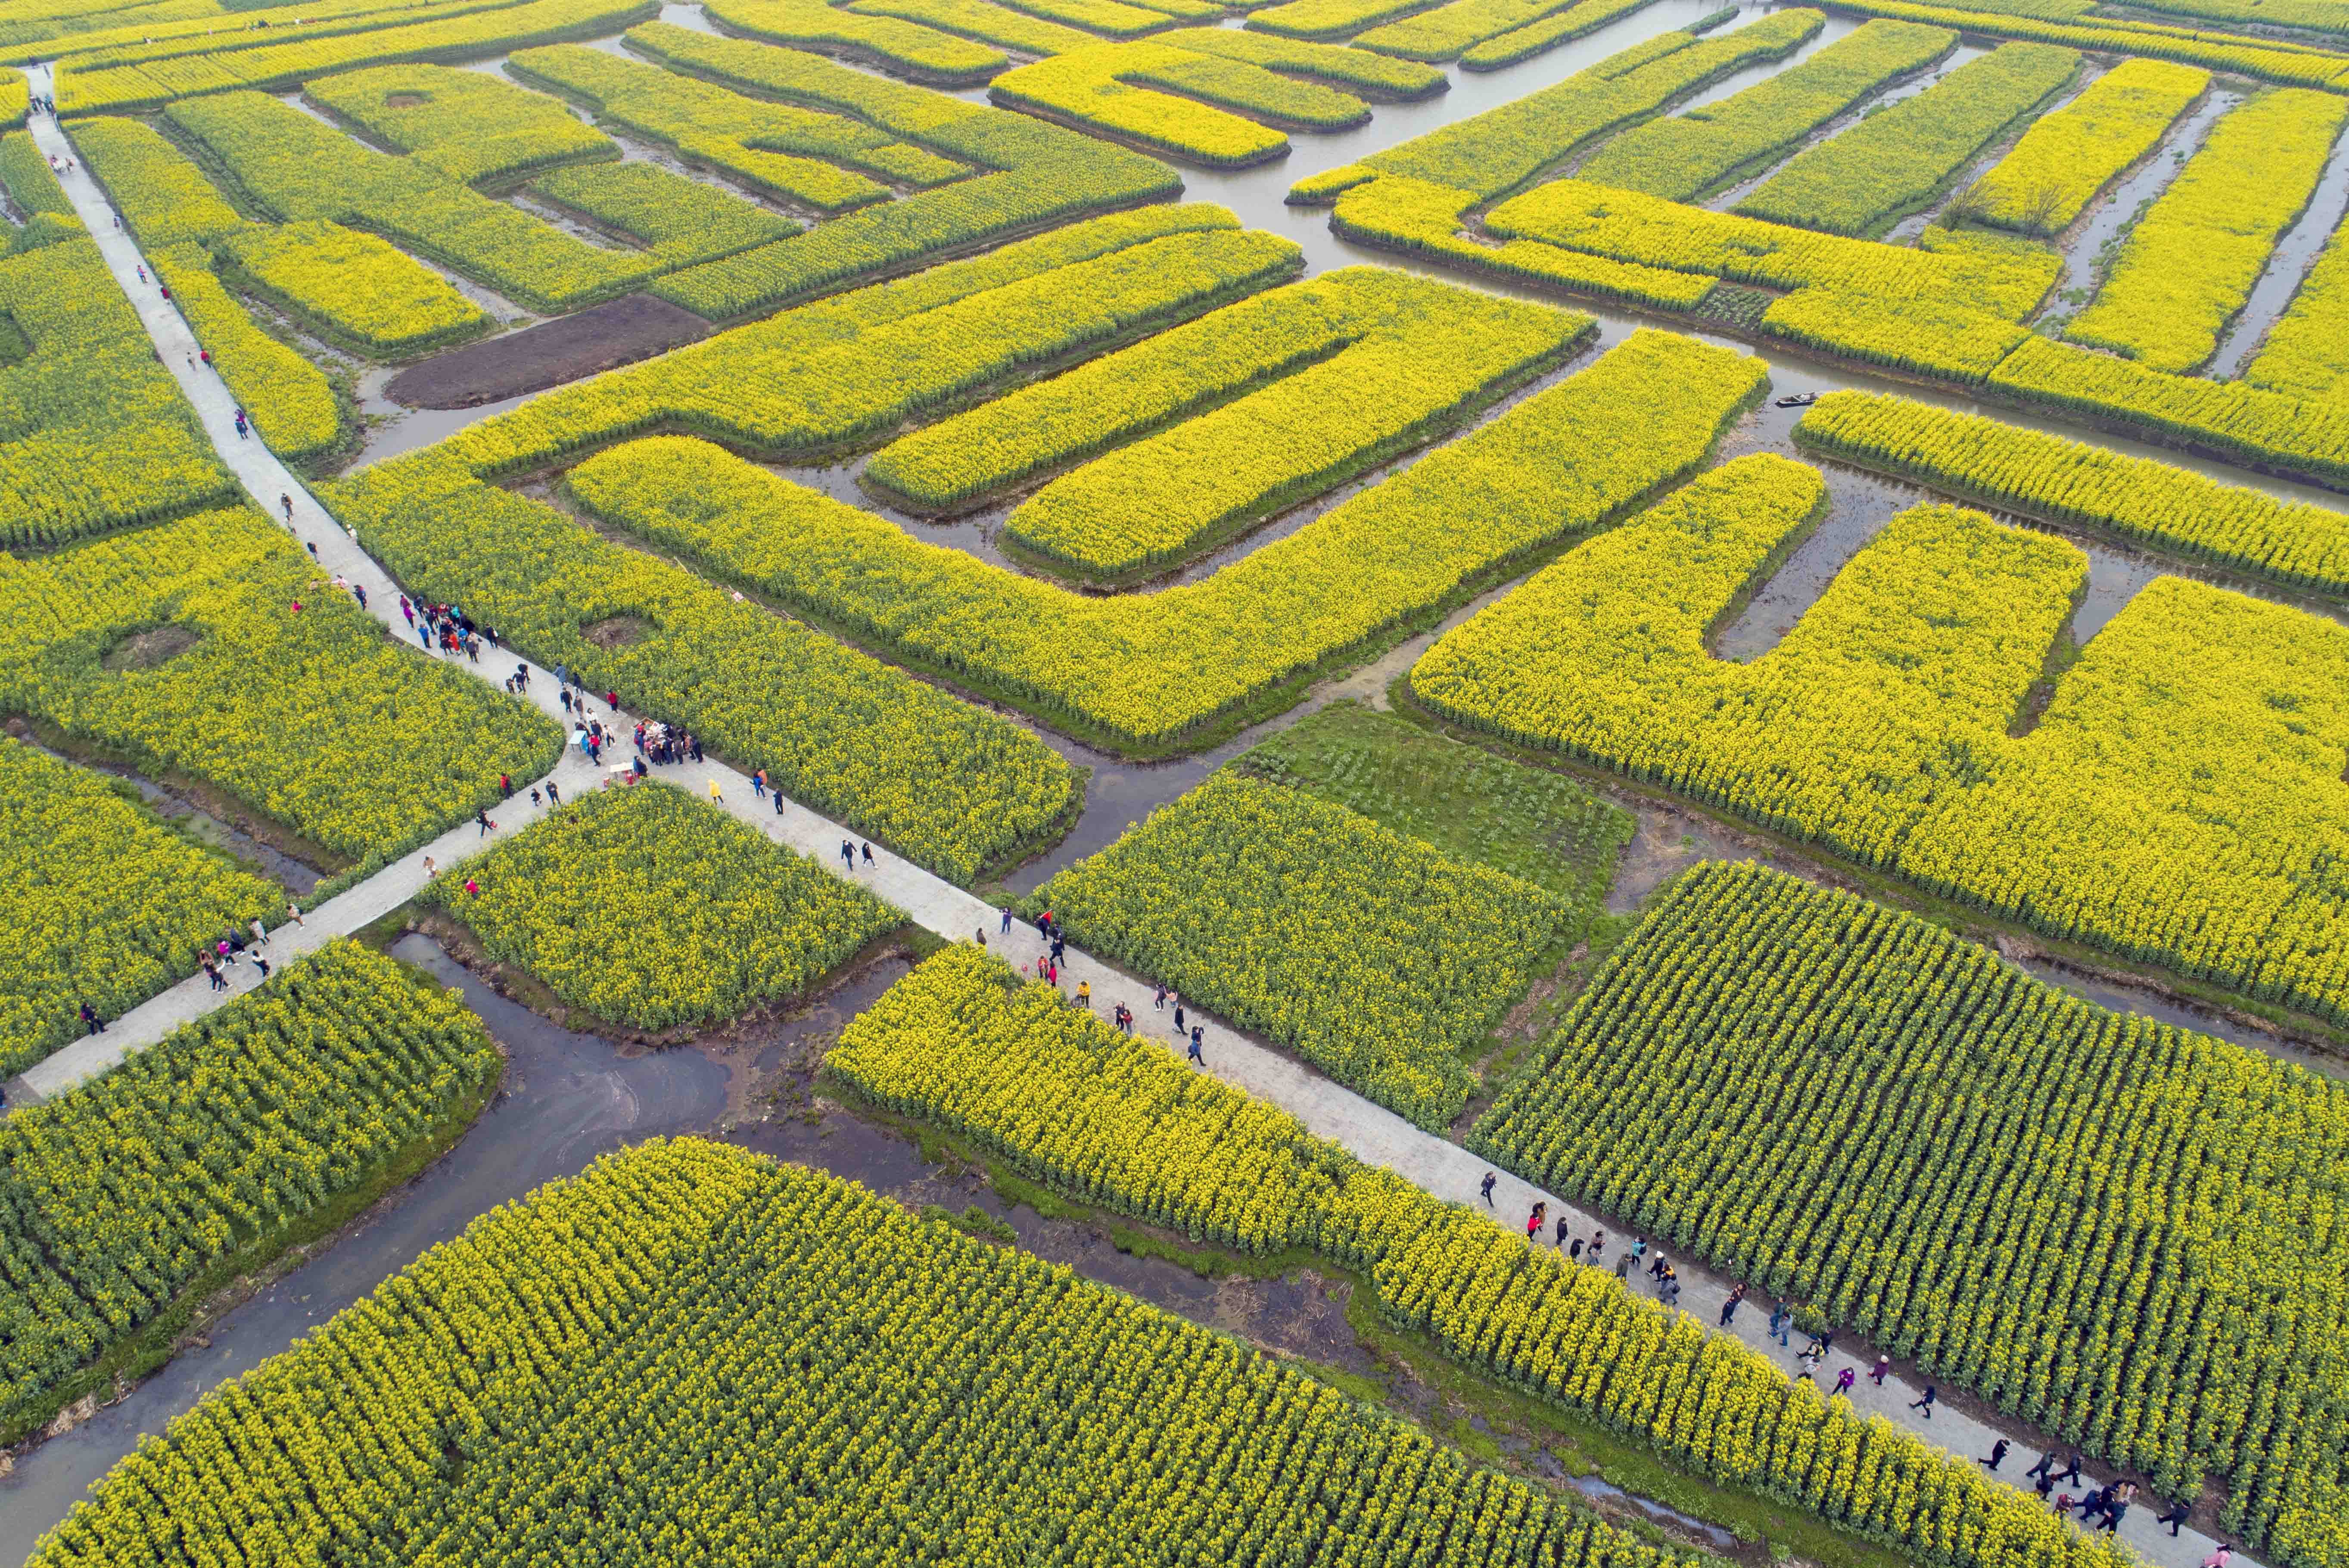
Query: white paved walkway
[(1371, 1132)]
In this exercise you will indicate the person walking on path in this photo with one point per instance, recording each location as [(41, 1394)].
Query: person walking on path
[(1085, 995), (2218, 1559), (259, 932), (505, 786), (1729, 1308), (868, 861), (714, 795), (2045, 1469), (1810, 1360), (90, 1020), (848, 854), (1195, 1033), (2177, 1516), (1881, 1370), (1997, 1455), (1158, 1002), (212, 973), (285, 501), (488, 827), (1178, 1016), (1598, 1246), (1846, 1379), (1006, 931), (261, 963), (1534, 1223), (1924, 1407), (1485, 1187), (1782, 1321), (1562, 1237), (1623, 1265), (2071, 1470)]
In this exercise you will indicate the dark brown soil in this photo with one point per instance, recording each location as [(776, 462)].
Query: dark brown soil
[(618, 631), (634, 327), (149, 649)]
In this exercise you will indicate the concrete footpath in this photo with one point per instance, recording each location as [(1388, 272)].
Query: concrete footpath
[(1370, 1131)]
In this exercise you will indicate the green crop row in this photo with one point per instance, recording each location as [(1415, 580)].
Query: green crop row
[(105, 904), (813, 1374), (2175, 802), (2067, 157), (98, 436), (467, 125), (31, 183), (291, 403), (1687, 156), (1041, 175), (1326, 19), (679, 221), (791, 152), (1108, 18), (1423, 357), (211, 646), (2057, 1213), (1104, 90), (2232, 418), (118, 1197), (652, 909), (1988, 274), (278, 66), (1501, 149), (163, 197), (352, 288), (976, 19), (1335, 65), (2262, 59), (1449, 30), (2306, 351), (1123, 1123), (2312, 16), (1896, 161), (2068, 481), (1528, 27), (1372, 955), (1531, 821), (973, 458), (1150, 673), (1941, 337), (1408, 214), (2189, 263), (922, 54), (216, 32)]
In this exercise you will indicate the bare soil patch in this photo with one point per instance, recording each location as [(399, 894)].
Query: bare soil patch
[(405, 100), (633, 327), (618, 631), (149, 649)]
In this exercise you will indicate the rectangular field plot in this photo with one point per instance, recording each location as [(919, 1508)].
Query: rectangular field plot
[(2037, 1199), (192, 1162)]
